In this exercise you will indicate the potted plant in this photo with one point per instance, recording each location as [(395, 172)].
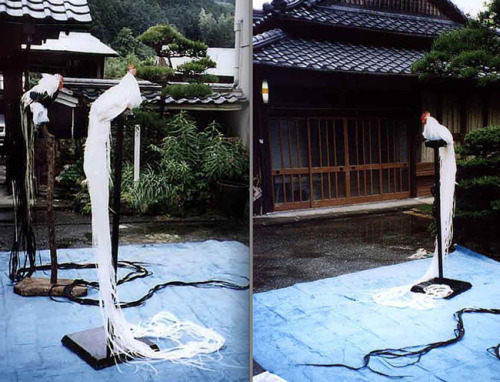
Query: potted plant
[(225, 162)]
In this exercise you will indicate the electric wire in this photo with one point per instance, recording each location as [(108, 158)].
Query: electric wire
[(416, 352), (138, 270)]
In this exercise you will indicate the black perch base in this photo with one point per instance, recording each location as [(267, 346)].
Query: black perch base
[(90, 345), (435, 144), (456, 285)]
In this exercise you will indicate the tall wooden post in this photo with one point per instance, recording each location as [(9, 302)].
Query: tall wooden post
[(50, 144)]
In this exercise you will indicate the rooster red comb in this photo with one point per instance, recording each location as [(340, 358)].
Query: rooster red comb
[(425, 114), (61, 80)]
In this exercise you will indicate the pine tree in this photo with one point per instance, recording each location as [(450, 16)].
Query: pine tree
[(471, 52)]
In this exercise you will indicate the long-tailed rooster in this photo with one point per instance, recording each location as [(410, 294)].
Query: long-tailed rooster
[(400, 296), (434, 131), (41, 96), (21, 161)]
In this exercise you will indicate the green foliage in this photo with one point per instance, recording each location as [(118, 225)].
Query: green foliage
[(167, 41), (70, 177), (71, 185), (478, 166), (477, 219), (110, 16), (469, 52), (154, 73), (196, 67), (125, 43), (153, 130), (491, 15), (116, 67), (185, 167), (188, 90), (156, 192), (223, 158), (483, 142), (177, 175), (194, 71), (216, 32)]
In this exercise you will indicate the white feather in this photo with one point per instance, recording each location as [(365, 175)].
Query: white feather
[(401, 297), (189, 339), (49, 83), (434, 131)]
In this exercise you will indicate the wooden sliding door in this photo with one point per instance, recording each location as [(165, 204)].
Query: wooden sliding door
[(319, 162)]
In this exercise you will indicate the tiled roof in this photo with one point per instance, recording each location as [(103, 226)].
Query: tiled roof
[(448, 6), (214, 99), (51, 11), (335, 56), (267, 37), (370, 19), (260, 17), (90, 89)]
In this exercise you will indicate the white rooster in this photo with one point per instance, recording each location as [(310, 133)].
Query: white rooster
[(41, 95), (189, 340), (434, 131), (400, 296)]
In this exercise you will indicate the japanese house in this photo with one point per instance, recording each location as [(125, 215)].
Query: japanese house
[(341, 122)]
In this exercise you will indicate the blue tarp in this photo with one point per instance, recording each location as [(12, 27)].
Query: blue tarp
[(31, 328), (336, 321)]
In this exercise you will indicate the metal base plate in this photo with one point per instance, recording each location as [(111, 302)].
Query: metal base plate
[(456, 285), (90, 345)]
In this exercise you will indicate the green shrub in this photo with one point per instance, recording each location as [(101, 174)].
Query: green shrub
[(223, 158), (178, 174), (153, 73), (477, 219), (69, 178), (166, 40), (72, 186), (178, 91), (187, 163)]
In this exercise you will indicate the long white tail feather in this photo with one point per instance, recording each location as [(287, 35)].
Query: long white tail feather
[(401, 297), (190, 340)]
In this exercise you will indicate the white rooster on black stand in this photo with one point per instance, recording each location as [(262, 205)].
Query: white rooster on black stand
[(22, 163)]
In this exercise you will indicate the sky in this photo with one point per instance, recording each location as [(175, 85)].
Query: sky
[(467, 6)]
